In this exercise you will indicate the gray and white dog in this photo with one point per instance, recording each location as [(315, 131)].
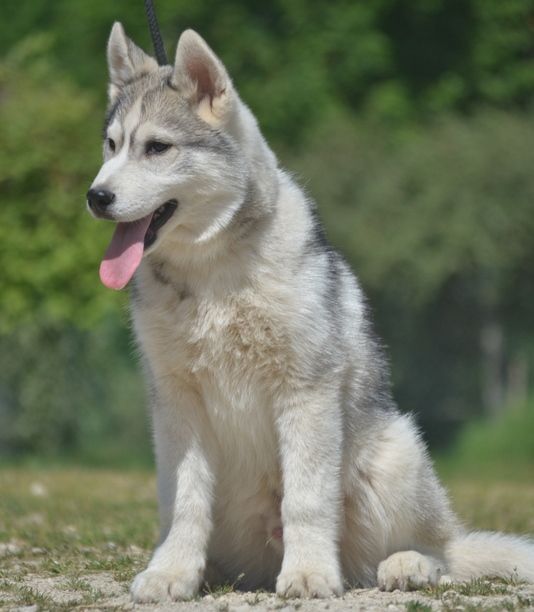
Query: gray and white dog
[(281, 456)]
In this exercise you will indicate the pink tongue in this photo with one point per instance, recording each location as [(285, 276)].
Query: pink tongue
[(124, 253)]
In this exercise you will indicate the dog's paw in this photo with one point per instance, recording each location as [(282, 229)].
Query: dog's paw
[(153, 586), (407, 571), (312, 583)]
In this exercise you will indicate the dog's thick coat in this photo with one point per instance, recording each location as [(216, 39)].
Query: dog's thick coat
[(281, 456)]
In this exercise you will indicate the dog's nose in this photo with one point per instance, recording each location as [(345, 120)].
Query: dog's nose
[(99, 199)]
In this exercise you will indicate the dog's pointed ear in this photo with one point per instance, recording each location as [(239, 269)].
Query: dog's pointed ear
[(125, 60), (201, 77)]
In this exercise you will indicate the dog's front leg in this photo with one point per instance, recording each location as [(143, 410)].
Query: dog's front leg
[(185, 484), (310, 435)]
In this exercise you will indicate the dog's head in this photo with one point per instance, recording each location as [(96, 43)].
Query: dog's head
[(175, 151)]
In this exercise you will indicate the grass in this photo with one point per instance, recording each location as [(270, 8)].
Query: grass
[(500, 505), (72, 526), (476, 587), (68, 524), (417, 606)]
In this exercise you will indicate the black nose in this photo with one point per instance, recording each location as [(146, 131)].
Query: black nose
[(99, 199)]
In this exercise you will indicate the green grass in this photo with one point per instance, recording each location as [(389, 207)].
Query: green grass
[(69, 524), (500, 505), (417, 606), (475, 587)]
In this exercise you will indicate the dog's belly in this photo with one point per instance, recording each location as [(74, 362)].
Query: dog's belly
[(243, 544), (248, 491)]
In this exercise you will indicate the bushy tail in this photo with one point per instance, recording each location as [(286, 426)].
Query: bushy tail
[(482, 553)]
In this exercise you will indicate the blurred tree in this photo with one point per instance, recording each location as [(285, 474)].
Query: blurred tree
[(49, 245), (293, 61), (58, 331), (57, 396)]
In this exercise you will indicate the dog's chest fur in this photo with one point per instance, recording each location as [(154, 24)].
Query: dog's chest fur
[(233, 349)]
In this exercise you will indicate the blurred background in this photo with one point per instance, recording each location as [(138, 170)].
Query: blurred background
[(412, 124)]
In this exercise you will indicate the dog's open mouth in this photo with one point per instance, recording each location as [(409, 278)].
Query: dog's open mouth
[(159, 218), (128, 244)]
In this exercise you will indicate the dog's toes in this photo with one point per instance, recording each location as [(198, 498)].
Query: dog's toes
[(308, 584), (408, 571), (153, 586)]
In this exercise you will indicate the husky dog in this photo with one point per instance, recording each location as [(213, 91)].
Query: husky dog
[(281, 456)]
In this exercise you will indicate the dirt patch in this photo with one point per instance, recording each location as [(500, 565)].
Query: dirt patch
[(100, 591)]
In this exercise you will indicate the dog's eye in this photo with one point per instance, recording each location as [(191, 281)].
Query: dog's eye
[(153, 147), (111, 144)]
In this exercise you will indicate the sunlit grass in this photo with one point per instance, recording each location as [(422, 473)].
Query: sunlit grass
[(500, 506), (71, 521), (68, 524)]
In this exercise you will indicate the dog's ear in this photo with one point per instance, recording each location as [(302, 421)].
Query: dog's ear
[(201, 77), (125, 60)]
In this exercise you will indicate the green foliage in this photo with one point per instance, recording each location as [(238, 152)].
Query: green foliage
[(293, 61), (68, 391), (59, 330), (417, 209), (49, 245), (497, 446)]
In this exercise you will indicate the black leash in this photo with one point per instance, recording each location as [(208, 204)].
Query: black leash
[(155, 33)]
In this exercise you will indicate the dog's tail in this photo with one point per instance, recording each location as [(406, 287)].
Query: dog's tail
[(482, 553)]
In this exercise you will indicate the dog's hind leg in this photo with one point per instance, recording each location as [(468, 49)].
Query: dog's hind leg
[(409, 570), (397, 516)]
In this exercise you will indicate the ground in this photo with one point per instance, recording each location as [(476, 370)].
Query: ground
[(73, 538)]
